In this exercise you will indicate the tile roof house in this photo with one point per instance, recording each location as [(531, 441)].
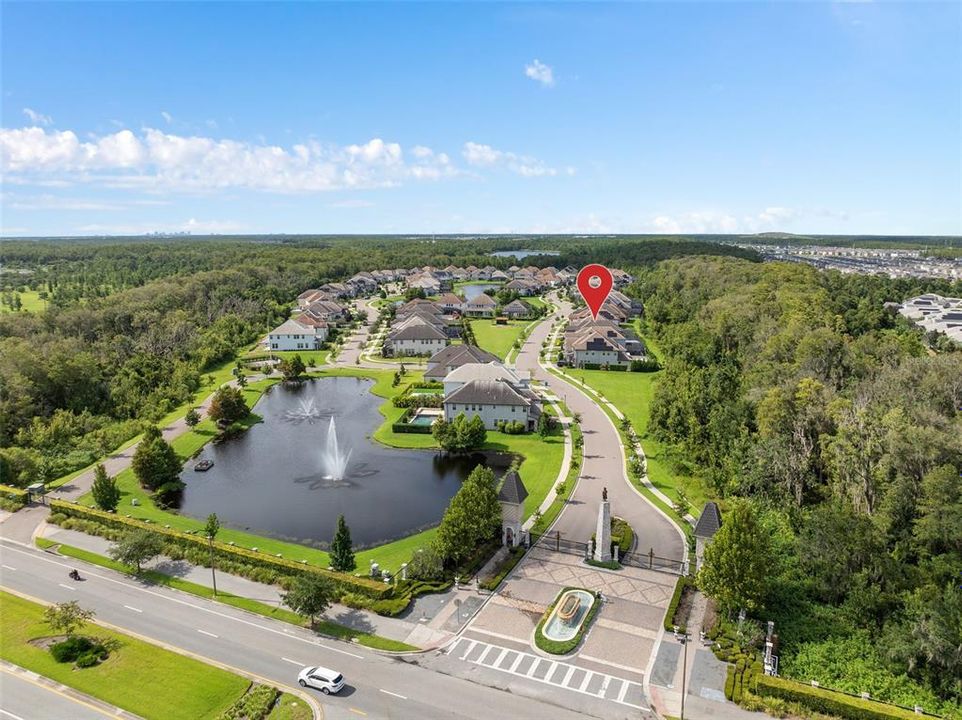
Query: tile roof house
[(493, 401), (493, 370), (416, 336), (453, 357), (481, 306), (449, 302), (517, 309)]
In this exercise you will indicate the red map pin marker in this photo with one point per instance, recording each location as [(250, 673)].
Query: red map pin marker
[(594, 283)]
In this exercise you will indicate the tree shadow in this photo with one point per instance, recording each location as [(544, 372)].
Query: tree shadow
[(352, 618)]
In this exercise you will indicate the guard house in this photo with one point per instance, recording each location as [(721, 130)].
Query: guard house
[(511, 497), (708, 523)]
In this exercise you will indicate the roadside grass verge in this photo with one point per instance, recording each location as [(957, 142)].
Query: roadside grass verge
[(139, 677), (154, 577)]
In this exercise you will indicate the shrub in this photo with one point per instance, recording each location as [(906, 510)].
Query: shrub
[(673, 605), (644, 366), (15, 497), (256, 704), (830, 702), (503, 568), (70, 649), (88, 660)]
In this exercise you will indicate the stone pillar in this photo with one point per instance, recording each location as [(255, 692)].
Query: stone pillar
[(617, 553), (603, 533)]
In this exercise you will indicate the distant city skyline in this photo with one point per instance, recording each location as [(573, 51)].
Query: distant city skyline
[(820, 118)]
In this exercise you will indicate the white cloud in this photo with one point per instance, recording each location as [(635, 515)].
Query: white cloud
[(158, 160), (485, 156), (200, 227), (38, 118), (168, 118), (57, 202), (539, 72), (713, 222)]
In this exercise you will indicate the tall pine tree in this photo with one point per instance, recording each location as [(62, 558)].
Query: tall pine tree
[(105, 491), (342, 550)]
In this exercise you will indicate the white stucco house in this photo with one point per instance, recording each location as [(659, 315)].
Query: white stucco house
[(294, 335)]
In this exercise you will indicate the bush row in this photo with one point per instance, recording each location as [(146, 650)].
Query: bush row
[(255, 704), (13, 498), (191, 544), (829, 702), (644, 366), (599, 366), (412, 401), (504, 567), (680, 586), (403, 425)]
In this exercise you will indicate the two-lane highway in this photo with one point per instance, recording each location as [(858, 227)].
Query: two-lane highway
[(378, 686)]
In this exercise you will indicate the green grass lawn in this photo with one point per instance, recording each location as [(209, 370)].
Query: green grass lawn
[(145, 679), (497, 339), (310, 357), (30, 302), (631, 393), (324, 627), (290, 707)]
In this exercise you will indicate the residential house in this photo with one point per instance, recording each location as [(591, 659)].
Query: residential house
[(453, 357), (416, 336), (493, 401), (450, 303), (517, 310), (481, 306), (295, 334), (500, 276), (493, 370)]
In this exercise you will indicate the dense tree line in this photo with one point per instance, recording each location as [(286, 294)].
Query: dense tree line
[(798, 390), (132, 324)]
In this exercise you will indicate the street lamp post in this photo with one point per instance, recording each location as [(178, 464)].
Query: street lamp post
[(683, 638)]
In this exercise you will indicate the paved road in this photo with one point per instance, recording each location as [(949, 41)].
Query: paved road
[(23, 698), (603, 465), (378, 686)]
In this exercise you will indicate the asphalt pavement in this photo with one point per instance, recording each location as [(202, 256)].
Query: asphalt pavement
[(378, 685)]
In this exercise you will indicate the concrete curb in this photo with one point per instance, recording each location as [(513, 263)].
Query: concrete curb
[(67, 691)]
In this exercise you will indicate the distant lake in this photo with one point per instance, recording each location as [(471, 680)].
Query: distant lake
[(472, 290), (522, 254)]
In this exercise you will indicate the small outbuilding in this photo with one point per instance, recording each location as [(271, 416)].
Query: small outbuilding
[(511, 497), (708, 524)]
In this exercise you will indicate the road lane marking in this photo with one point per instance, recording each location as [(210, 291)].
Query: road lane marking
[(8, 567), (56, 691), (388, 692), (133, 608), (43, 557), (204, 632), (358, 712), (293, 662), (69, 587), (7, 713)]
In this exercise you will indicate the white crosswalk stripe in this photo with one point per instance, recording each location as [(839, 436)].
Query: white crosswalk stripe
[(529, 666)]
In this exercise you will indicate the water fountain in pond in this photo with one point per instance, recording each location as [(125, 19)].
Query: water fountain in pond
[(335, 461), (307, 411)]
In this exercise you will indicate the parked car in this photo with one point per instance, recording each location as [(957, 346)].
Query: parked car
[(323, 679)]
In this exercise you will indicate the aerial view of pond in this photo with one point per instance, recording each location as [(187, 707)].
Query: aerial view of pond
[(472, 290), (522, 254), (291, 476)]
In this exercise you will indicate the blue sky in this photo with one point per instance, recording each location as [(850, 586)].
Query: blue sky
[(328, 118)]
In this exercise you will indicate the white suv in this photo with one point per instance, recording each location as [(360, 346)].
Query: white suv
[(327, 681)]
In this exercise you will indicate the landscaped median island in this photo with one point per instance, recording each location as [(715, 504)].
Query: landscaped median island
[(566, 621), (137, 676)]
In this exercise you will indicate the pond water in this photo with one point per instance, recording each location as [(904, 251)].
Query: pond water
[(472, 290), (522, 254), (272, 480)]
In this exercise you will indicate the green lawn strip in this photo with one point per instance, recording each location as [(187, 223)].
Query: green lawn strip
[(574, 472), (497, 339), (310, 357), (290, 707), (632, 393), (534, 302), (324, 627), (142, 678)]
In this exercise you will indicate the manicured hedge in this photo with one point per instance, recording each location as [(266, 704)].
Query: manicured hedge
[(403, 426), (344, 582), (683, 582), (504, 567), (14, 496), (830, 702)]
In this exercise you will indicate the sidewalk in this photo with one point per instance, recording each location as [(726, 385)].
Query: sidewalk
[(428, 623)]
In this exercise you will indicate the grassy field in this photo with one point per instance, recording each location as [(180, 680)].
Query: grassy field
[(631, 393), (539, 470), (290, 707), (324, 627), (497, 339), (198, 690), (30, 302), (310, 357)]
